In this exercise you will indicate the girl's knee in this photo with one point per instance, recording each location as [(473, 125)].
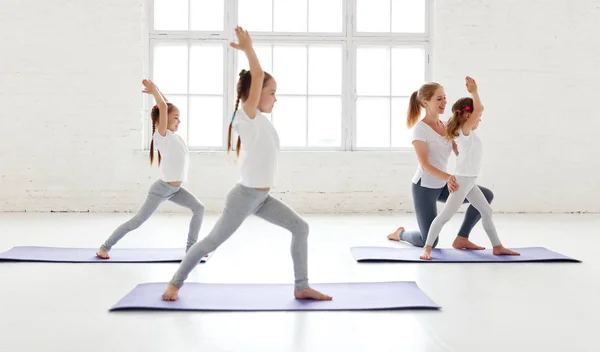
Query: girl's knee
[(300, 228), (198, 208)]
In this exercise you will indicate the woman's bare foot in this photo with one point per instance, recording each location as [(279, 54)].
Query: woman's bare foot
[(102, 253), (500, 250), (309, 293), (464, 243), (395, 236), (426, 254), (170, 293)]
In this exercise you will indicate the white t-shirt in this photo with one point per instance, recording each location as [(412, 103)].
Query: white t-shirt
[(175, 159), (470, 150), (260, 148), (438, 152)]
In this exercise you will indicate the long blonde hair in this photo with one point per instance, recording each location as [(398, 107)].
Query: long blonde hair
[(415, 102), (461, 107)]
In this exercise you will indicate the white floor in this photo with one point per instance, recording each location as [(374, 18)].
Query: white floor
[(486, 307)]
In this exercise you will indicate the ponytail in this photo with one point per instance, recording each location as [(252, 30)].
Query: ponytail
[(452, 126), (414, 110)]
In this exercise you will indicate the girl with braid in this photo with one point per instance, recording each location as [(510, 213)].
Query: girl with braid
[(260, 142), (173, 162)]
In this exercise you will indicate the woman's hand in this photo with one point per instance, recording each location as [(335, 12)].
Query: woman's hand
[(452, 185)]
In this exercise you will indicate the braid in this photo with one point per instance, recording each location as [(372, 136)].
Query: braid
[(152, 147), (239, 141)]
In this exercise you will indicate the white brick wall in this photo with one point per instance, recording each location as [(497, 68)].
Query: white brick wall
[(70, 90)]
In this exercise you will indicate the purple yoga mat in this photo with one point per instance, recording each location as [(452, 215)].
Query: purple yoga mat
[(386, 254), (88, 255), (277, 297)]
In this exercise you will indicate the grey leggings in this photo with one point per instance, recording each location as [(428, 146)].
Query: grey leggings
[(240, 203), (467, 189), (159, 192), (425, 201)]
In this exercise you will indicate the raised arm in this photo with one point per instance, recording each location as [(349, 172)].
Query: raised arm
[(477, 107), (256, 72), (150, 88)]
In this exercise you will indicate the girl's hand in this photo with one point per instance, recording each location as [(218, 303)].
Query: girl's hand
[(149, 86), (471, 84), (244, 41)]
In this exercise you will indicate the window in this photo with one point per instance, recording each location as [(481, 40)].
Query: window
[(344, 68)]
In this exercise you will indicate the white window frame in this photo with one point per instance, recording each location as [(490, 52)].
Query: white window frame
[(349, 39)]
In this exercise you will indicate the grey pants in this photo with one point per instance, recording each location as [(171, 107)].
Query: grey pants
[(240, 203), (425, 200), (467, 189), (159, 192)]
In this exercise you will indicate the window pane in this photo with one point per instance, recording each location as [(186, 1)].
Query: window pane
[(289, 15), (408, 16), (373, 122), (171, 15), (181, 103), (264, 54), (170, 68), (373, 71), (324, 122), (255, 15), (373, 15), (206, 69), (206, 121), (289, 118), (289, 69), (325, 70), (408, 70), (206, 15), (401, 135), (325, 15)]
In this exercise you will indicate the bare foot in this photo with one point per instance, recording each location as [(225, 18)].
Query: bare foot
[(500, 250), (170, 293), (426, 254), (102, 253), (309, 293), (395, 236), (464, 243)]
